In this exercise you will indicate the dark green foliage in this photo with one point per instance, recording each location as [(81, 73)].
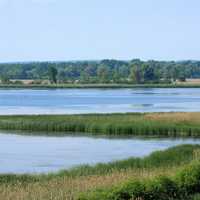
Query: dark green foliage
[(4, 79), (52, 72), (188, 180), (181, 186), (195, 197)]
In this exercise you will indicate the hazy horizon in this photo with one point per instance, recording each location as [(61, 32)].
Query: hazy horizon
[(93, 60)]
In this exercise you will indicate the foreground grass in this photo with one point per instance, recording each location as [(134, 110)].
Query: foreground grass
[(86, 179), (182, 185), (158, 124)]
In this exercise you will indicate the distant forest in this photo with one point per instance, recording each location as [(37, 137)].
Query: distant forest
[(104, 71)]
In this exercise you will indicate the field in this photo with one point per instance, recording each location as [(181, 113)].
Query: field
[(149, 124), (84, 182)]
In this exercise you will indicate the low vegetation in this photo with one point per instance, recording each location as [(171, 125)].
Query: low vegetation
[(123, 179), (149, 124), (181, 186)]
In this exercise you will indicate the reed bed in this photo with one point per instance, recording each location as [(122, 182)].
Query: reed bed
[(149, 124), (67, 185)]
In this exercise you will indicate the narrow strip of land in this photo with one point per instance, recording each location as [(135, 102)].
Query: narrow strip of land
[(148, 124), (109, 86)]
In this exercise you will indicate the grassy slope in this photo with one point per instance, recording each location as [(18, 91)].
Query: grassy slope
[(163, 124), (180, 184), (68, 184)]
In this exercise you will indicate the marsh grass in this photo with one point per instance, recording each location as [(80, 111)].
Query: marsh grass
[(182, 185), (149, 124), (69, 184)]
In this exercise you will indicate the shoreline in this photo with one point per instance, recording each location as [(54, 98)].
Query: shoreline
[(111, 176), (97, 86)]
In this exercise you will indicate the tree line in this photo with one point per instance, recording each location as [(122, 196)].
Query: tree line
[(104, 71)]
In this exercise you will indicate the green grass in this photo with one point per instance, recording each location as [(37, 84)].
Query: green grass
[(180, 185), (150, 124), (167, 158), (115, 178)]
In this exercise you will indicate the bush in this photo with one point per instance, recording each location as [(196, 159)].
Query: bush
[(185, 183)]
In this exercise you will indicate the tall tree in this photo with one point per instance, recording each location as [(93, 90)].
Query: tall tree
[(103, 74), (148, 72), (4, 79), (53, 74), (135, 74)]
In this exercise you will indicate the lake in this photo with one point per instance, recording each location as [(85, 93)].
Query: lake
[(41, 154), (73, 101)]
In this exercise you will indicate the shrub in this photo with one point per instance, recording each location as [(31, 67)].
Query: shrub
[(181, 186)]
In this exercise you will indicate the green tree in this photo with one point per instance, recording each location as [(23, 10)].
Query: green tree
[(53, 74), (116, 76), (135, 74), (4, 79), (61, 76), (103, 74), (148, 72), (84, 77)]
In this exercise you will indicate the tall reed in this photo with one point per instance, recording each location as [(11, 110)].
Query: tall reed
[(149, 124)]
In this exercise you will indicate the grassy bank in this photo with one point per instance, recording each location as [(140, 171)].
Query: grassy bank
[(69, 184), (182, 185), (111, 86), (152, 124)]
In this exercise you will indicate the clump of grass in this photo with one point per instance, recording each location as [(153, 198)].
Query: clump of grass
[(149, 124)]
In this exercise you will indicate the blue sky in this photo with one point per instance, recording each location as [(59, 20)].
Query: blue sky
[(33, 30)]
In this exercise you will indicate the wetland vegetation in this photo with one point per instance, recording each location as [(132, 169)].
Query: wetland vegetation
[(148, 124), (128, 179), (170, 174)]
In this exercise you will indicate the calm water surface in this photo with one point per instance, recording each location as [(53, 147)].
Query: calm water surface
[(67, 101), (40, 154)]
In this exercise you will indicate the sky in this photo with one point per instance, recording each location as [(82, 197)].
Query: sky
[(61, 30)]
